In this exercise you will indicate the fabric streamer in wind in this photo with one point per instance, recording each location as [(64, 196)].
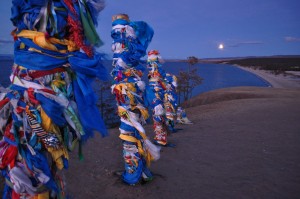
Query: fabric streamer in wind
[(50, 107), (182, 117), (130, 41), (155, 96)]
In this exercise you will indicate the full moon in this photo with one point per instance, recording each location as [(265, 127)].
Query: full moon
[(221, 46)]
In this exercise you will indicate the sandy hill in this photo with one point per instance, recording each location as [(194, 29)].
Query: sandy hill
[(244, 143)]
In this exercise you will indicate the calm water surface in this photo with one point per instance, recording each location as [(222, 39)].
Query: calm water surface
[(214, 76)]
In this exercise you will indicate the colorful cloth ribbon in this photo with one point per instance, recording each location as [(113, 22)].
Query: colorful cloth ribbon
[(50, 106), (170, 100), (130, 41), (155, 96)]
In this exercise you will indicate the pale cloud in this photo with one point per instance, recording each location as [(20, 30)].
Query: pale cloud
[(292, 39), (243, 43)]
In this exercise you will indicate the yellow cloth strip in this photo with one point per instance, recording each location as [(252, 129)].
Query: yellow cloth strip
[(122, 112), (48, 125), (56, 154), (44, 195), (128, 138), (128, 88), (144, 113), (133, 139), (40, 39)]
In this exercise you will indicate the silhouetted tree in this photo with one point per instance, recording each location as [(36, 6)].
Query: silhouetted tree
[(192, 60), (188, 80), (106, 104)]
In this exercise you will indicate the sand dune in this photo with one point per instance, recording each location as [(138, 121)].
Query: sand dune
[(244, 147), (244, 143)]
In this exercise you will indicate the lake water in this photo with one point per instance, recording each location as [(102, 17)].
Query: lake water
[(214, 76)]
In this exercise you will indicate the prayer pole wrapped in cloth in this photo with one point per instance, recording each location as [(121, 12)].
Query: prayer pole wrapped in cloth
[(155, 97), (50, 107), (130, 41), (170, 100)]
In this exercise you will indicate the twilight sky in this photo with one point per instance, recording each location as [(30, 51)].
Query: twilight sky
[(198, 27)]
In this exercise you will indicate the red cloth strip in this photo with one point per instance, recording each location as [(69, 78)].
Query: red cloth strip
[(9, 157), (47, 91), (32, 99), (3, 102), (41, 73)]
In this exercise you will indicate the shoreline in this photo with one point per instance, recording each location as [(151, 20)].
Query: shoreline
[(288, 80)]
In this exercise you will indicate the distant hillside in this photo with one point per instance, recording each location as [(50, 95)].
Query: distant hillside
[(272, 63), (278, 63), (248, 57), (6, 57), (249, 60)]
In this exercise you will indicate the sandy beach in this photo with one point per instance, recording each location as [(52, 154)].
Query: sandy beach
[(244, 143), (291, 79)]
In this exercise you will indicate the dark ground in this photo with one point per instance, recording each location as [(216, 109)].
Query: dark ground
[(244, 143)]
